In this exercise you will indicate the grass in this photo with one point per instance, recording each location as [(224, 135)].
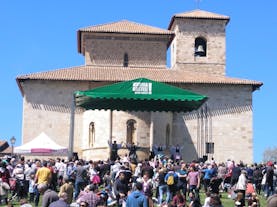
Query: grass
[(226, 202)]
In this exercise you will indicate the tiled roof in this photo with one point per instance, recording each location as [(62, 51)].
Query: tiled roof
[(199, 14), (125, 26), (114, 74)]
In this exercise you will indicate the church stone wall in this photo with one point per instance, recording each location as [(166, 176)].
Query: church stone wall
[(47, 108), (227, 122), (182, 48), (110, 52)]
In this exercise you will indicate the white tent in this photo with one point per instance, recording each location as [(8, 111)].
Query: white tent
[(42, 145)]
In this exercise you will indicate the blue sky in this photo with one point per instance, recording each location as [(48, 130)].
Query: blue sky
[(41, 35)]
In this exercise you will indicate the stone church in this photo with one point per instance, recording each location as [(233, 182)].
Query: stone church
[(222, 128)]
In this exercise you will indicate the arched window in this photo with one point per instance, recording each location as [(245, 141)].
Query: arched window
[(131, 130), (91, 139), (126, 60), (200, 47), (167, 135)]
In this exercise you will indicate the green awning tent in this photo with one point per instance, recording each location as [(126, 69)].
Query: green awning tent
[(135, 95), (139, 95)]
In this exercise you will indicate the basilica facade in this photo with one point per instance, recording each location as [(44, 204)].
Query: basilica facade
[(222, 128)]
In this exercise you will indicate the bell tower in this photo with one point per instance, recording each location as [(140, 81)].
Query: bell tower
[(200, 42)]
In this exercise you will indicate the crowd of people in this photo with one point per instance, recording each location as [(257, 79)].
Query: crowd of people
[(160, 180)]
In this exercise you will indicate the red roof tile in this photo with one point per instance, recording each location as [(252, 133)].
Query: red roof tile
[(199, 14), (125, 26), (115, 74)]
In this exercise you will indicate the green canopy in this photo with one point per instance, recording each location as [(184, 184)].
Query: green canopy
[(139, 95)]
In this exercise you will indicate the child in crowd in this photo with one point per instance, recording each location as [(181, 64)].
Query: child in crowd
[(32, 188)]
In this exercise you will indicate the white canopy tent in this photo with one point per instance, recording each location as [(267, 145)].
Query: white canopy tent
[(41, 145)]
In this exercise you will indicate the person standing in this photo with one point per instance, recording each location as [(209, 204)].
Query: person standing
[(68, 188), (121, 188), (114, 150), (241, 186), (81, 178), (137, 197), (42, 177), (182, 181), (194, 180), (269, 179)]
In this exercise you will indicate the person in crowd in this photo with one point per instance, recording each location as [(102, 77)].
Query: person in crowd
[(121, 188), (4, 191), (31, 189), (178, 200), (182, 179), (68, 188), (24, 203), (83, 204), (207, 199), (241, 186), (114, 150), (132, 150), (163, 187), (137, 197), (253, 200), (18, 174), (215, 200), (209, 173), (272, 201), (61, 202), (4, 172), (171, 179), (239, 200), (61, 170), (194, 200), (250, 188), (236, 171), (158, 149), (42, 178), (147, 187), (193, 180), (81, 178), (48, 195), (257, 178), (175, 152), (269, 179), (90, 196)]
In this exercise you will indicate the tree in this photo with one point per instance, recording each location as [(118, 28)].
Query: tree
[(270, 154)]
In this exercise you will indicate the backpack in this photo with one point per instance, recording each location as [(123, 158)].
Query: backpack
[(170, 180)]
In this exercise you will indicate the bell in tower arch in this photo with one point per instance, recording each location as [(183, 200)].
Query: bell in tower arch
[(200, 51)]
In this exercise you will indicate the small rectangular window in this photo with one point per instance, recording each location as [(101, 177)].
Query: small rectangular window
[(209, 147)]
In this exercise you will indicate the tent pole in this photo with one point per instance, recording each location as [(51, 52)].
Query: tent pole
[(111, 130), (71, 133), (151, 141)]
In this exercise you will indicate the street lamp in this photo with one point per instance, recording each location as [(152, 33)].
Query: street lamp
[(12, 140)]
